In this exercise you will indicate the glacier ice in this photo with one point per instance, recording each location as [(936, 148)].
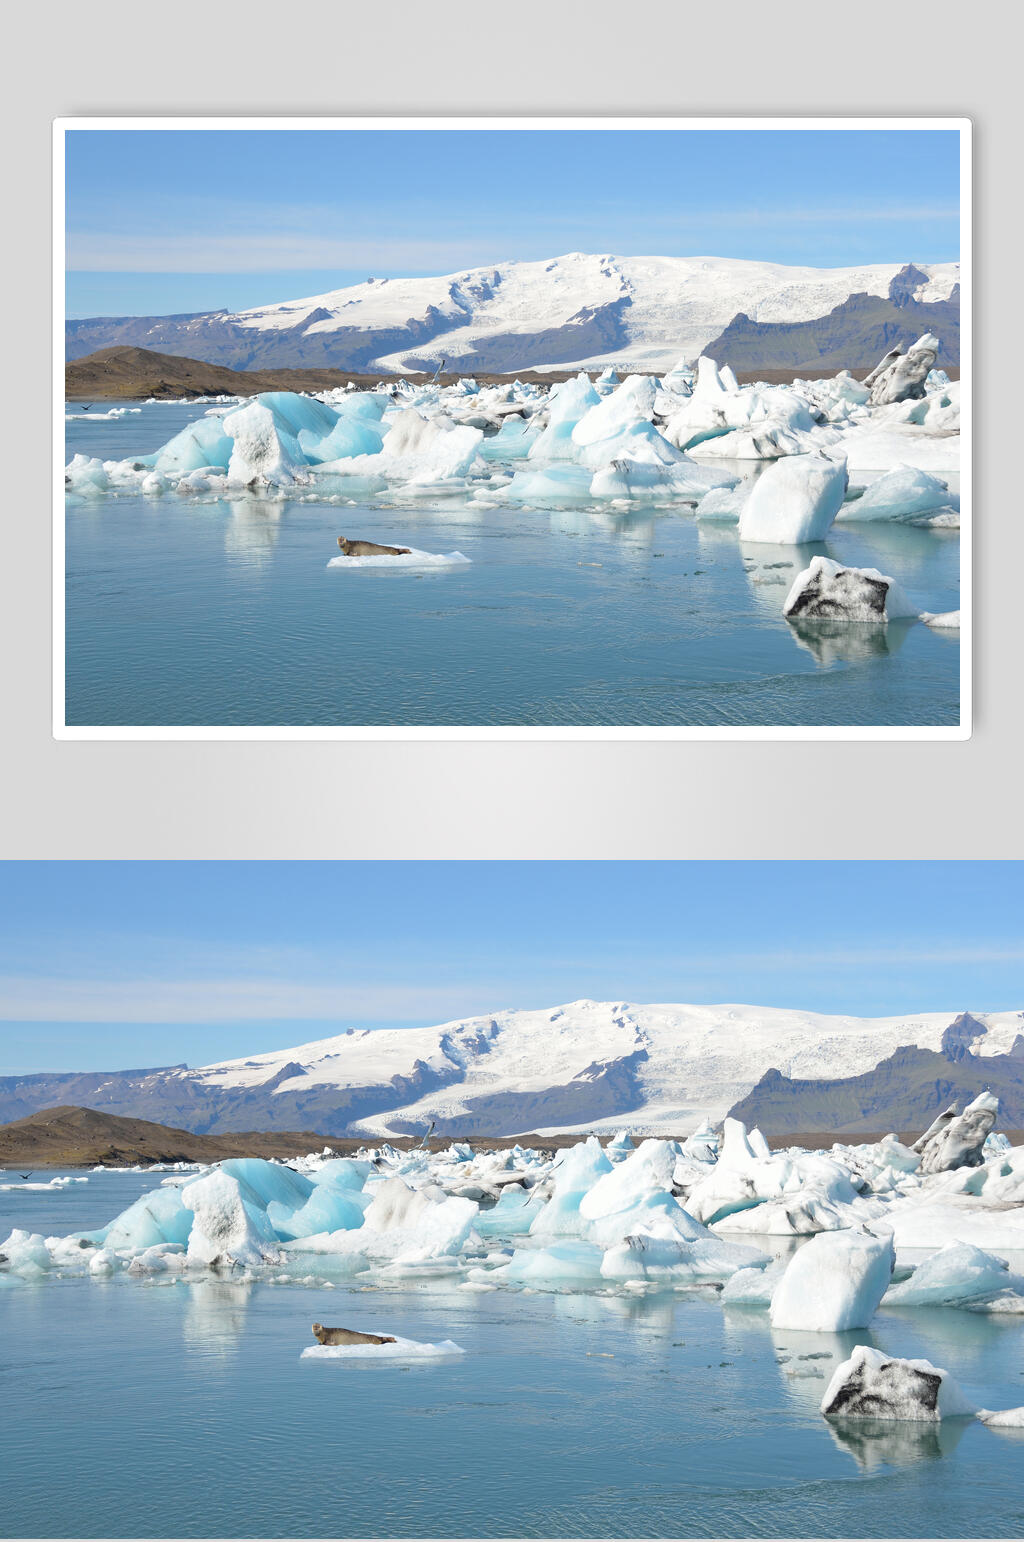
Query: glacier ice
[(904, 493), (794, 500), (264, 452), (956, 1273), (834, 1283), (230, 1226), (828, 591), (401, 1349), (873, 1385)]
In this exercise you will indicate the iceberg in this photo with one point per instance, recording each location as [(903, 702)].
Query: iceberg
[(834, 1282), (828, 591), (795, 500), (904, 493), (873, 1385), (230, 1225), (264, 452), (408, 559), (956, 1273), (401, 1349)]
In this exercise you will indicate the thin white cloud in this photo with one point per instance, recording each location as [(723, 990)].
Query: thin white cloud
[(264, 252), (293, 240), (252, 997), (25, 999)]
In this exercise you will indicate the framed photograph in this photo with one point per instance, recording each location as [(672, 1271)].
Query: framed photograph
[(513, 429)]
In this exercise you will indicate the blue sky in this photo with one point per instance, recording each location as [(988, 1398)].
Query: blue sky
[(164, 221), (115, 965)]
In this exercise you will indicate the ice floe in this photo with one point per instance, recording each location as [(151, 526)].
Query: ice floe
[(873, 1385), (409, 559), (401, 1349)]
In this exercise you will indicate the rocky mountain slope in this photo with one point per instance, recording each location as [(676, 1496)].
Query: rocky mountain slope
[(577, 310), (585, 1065)]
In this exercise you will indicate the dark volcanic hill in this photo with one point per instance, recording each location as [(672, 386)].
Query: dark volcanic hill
[(903, 1092), (129, 372), (854, 335), (83, 1137)]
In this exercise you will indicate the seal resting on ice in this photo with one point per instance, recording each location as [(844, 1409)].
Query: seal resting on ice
[(348, 1336), (370, 549)]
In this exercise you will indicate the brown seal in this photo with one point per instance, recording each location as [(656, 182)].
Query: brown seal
[(348, 1336), (371, 549)]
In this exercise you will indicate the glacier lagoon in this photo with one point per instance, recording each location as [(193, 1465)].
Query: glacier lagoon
[(222, 611), (184, 1409)]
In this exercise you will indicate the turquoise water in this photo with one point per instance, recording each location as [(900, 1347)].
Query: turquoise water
[(189, 612), (134, 1409)]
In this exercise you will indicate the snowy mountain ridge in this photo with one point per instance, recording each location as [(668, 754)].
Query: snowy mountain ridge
[(584, 1065), (580, 309)]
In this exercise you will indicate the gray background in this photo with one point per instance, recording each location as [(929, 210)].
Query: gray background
[(714, 800)]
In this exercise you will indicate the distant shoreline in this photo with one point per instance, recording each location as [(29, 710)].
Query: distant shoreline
[(73, 1136), (136, 374)]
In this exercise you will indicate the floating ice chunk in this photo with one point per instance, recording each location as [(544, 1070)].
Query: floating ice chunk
[(350, 436), (410, 559), (513, 1214), (960, 1142), (203, 443), (402, 1224), (567, 404), (1002, 1418), (695, 423), (794, 500), (762, 440), (264, 453), (574, 1173), (165, 1258), (958, 1272), (401, 1349), (899, 494), (297, 414), (554, 484), (25, 1253), (155, 1218), (658, 1253), (630, 404), (723, 503), (103, 1261), (86, 476), (752, 1287), (230, 1224), (560, 1262), (947, 621), (873, 1385), (834, 1282), (154, 484), (828, 591)]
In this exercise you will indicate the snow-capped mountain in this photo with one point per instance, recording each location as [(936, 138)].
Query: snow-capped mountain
[(586, 1065), (577, 310)]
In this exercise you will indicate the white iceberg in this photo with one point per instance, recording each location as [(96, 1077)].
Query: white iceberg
[(409, 559), (834, 1282), (401, 1349), (794, 500)]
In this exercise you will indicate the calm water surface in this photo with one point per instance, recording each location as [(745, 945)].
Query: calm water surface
[(133, 1409), (190, 612)]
